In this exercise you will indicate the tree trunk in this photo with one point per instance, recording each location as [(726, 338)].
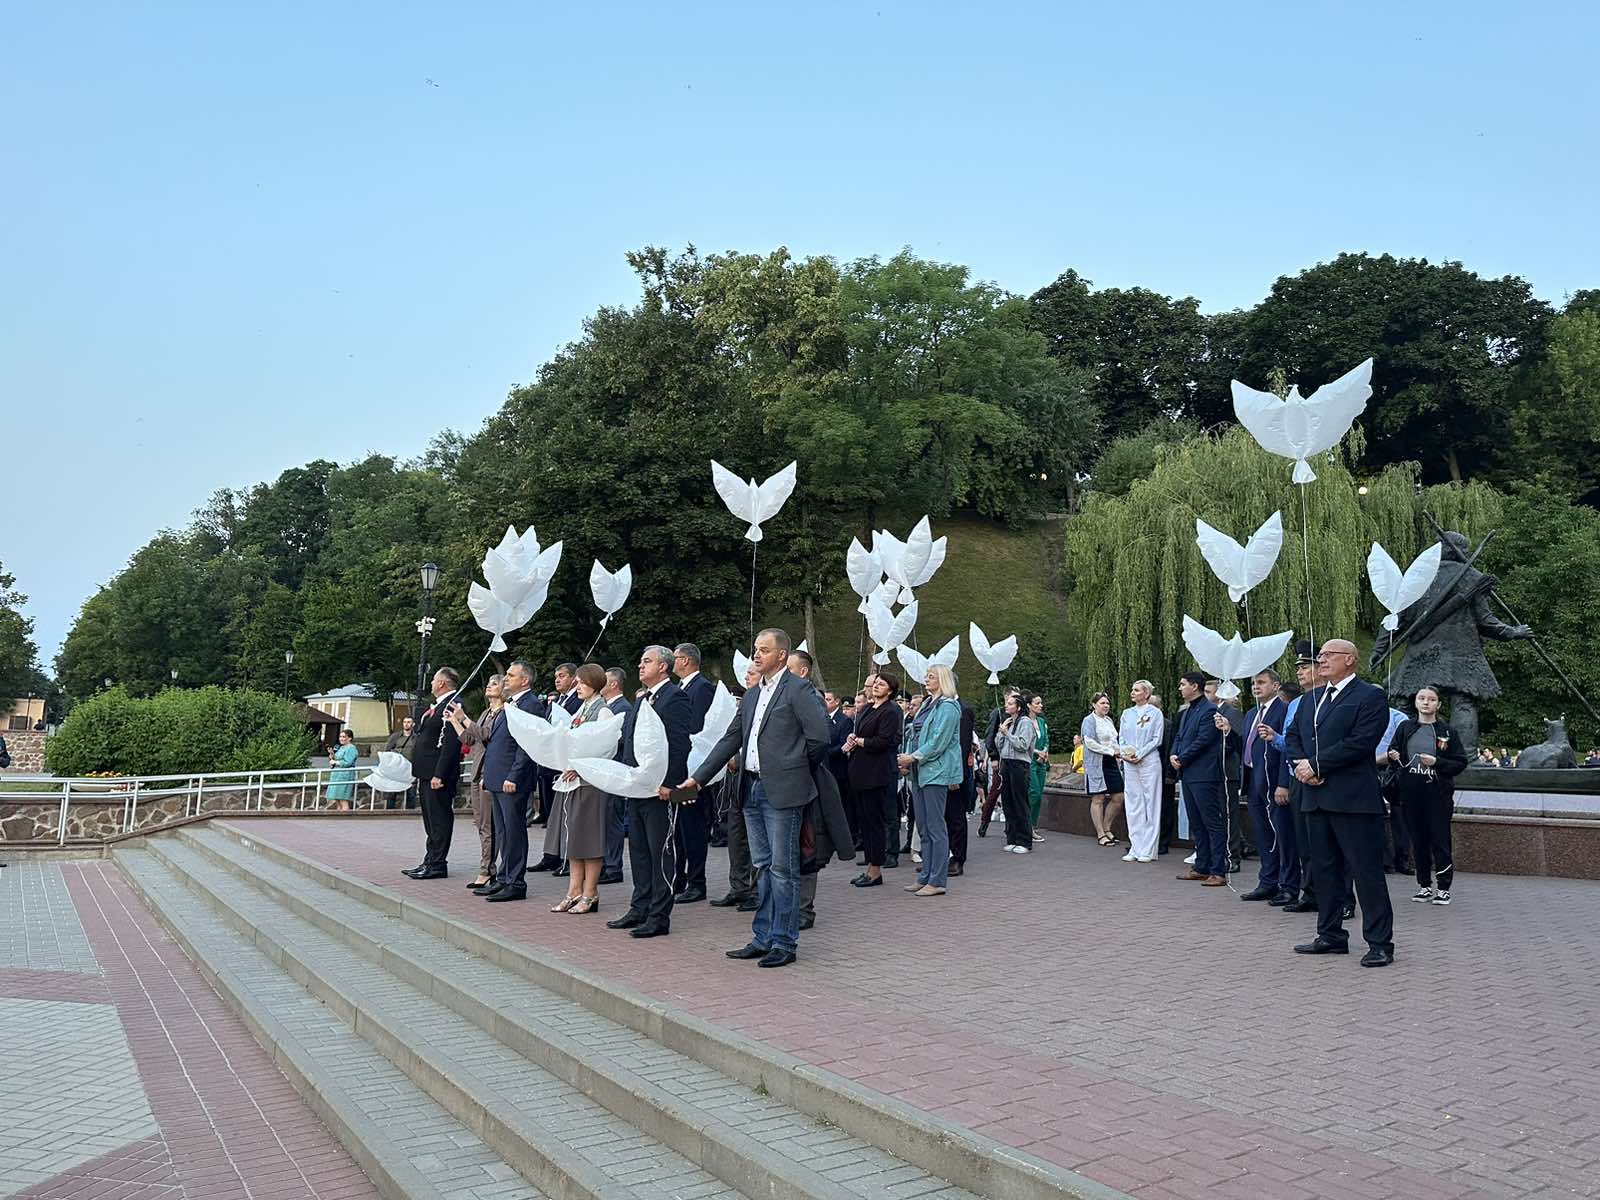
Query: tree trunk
[(811, 643), (1453, 463)]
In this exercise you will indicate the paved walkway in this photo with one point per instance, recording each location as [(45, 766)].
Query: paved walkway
[(124, 1076), (1158, 1037)]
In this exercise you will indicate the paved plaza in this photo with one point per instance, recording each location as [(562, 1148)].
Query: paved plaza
[(1157, 1037), (125, 1077)]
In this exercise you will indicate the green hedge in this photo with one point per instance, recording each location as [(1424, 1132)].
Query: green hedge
[(178, 732)]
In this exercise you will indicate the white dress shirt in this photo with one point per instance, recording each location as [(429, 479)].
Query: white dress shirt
[(752, 752)]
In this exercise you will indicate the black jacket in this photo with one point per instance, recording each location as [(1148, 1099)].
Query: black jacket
[(872, 763), (438, 749), (1442, 776)]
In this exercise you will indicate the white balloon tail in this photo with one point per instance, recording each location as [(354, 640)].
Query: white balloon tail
[(498, 646), (907, 596), (753, 533), (1236, 594), (1391, 622), (1303, 472), (993, 678), (880, 658)]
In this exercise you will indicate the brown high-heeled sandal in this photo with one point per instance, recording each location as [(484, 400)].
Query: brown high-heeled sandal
[(585, 904), (566, 904)]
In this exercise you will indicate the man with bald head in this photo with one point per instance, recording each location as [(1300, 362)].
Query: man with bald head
[(1330, 746)]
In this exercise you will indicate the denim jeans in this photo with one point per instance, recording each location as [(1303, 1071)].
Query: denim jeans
[(928, 803), (775, 854)]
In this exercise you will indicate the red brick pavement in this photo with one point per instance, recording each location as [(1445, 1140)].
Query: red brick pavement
[(1157, 1037), (231, 1125)]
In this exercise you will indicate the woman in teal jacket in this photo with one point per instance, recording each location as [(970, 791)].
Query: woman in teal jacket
[(933, 757), (341, 784)]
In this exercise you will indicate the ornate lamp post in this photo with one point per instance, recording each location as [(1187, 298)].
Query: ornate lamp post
[(430, 577), (288, 657), (174, 674)]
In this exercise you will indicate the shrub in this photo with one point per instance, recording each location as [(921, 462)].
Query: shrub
[(180, 731)]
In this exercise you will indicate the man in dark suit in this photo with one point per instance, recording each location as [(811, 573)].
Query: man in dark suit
[(1332, 745), (1279, 878), (782, 729), (1167, 825), (436, 767), (691, 833), (1235, 801), (1197, 758), (617, 806), (650, 819), (510, 777)]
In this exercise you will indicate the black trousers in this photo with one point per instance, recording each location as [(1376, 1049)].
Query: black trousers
[(511, 824), (1397, 840), (1015, 777), (651, 860), (546, 780), (957, 805), (1342, 885), (690, 837), (1350, 845), (876, 807), (438, 820), (1428, 814), (1169, 813)]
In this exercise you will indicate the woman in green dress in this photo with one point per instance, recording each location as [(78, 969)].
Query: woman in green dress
[(1041, 764), (341, 784)]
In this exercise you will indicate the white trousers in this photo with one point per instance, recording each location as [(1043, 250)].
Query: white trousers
[(1142, 803)]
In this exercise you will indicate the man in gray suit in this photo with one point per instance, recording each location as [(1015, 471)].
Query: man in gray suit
[(781, 729)]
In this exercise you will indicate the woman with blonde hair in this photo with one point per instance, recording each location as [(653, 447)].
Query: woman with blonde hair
[(933, 761)]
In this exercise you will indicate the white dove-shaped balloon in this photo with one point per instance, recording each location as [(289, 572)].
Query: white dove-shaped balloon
[(916, 665), (610, 588), (724, 709), (556, 744), (519, 575), (1229, 659), (994, 658), (496, 616), (392, 773), (904, 562), (865, 572), (741, 666), (1397, 592), (1241, 567), (1302, 426), (752, 501), (936, 554), (889, 629), (649, 752)]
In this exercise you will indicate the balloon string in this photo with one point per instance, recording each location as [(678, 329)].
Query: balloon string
[(590, 651), (1311, 621), (754, 546), (462, 686)]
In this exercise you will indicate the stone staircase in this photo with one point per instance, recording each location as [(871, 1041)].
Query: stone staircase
[(456, 1064)]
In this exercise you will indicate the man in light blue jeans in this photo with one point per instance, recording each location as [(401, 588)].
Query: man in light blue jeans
[(775, 854)]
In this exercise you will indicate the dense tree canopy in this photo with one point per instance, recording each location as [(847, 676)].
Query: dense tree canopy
[(18, 654)]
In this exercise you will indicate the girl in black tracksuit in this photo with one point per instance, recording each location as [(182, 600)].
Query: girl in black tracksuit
[(1428, 757)]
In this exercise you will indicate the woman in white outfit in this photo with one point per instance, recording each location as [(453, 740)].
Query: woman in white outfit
[(1139, 736), (1101, 770)]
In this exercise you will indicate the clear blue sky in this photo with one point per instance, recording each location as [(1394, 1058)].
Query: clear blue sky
[(238, 237)]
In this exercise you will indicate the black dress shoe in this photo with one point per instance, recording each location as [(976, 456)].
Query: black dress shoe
[(561, 872), (432, 873), (891, 862), (626, 921), (957, 869), (777, 958), (690, 896), (545, 864), (1301, 906), (807, 920), (1234, 866), (867, 881), (414, 871), (477, 886), (750, 951), (983, 829), (728, 901), (1322, 946), (1377, 958), (509, 893), (719, 843), (645, 931), (1259, 893), (1282, 900), (749, 904), (491, 889), (1349, 910), (610, 877)]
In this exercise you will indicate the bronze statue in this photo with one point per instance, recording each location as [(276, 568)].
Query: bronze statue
[(1445, 631)]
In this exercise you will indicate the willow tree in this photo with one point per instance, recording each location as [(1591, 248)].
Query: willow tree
[(1134, 569)]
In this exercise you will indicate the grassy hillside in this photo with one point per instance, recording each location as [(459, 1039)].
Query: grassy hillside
[(1004, 579)]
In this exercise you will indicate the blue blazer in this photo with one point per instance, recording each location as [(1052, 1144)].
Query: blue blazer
[(1266, 758), (1342, 747), (701, 691), (520, 768), (1198, 746), (677, 715), (624, 752)]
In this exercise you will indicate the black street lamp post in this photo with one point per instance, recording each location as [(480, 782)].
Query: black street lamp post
[(430, 578), (288, 657)]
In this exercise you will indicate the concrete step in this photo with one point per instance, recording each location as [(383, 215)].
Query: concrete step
[(410, 1147), (611, 1041), (550, 1131)]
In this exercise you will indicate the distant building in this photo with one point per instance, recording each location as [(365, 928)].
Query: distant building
[(369, 716), (24, 714)]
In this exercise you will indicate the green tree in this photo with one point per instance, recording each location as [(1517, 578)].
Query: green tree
[(1448, 346), (1132, 456), (287, 521), (1558, 421), (19, 655)]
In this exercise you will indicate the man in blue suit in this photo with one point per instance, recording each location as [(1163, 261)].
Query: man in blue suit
[(1279, 878), (510, 776), (617, 806), (649, 819), (1332, 745), (1197, 757), (692, 832)]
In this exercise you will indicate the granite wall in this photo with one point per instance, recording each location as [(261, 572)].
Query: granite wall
[(27, 752)]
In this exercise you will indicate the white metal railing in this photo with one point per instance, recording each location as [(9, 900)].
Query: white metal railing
[(310, 785)]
